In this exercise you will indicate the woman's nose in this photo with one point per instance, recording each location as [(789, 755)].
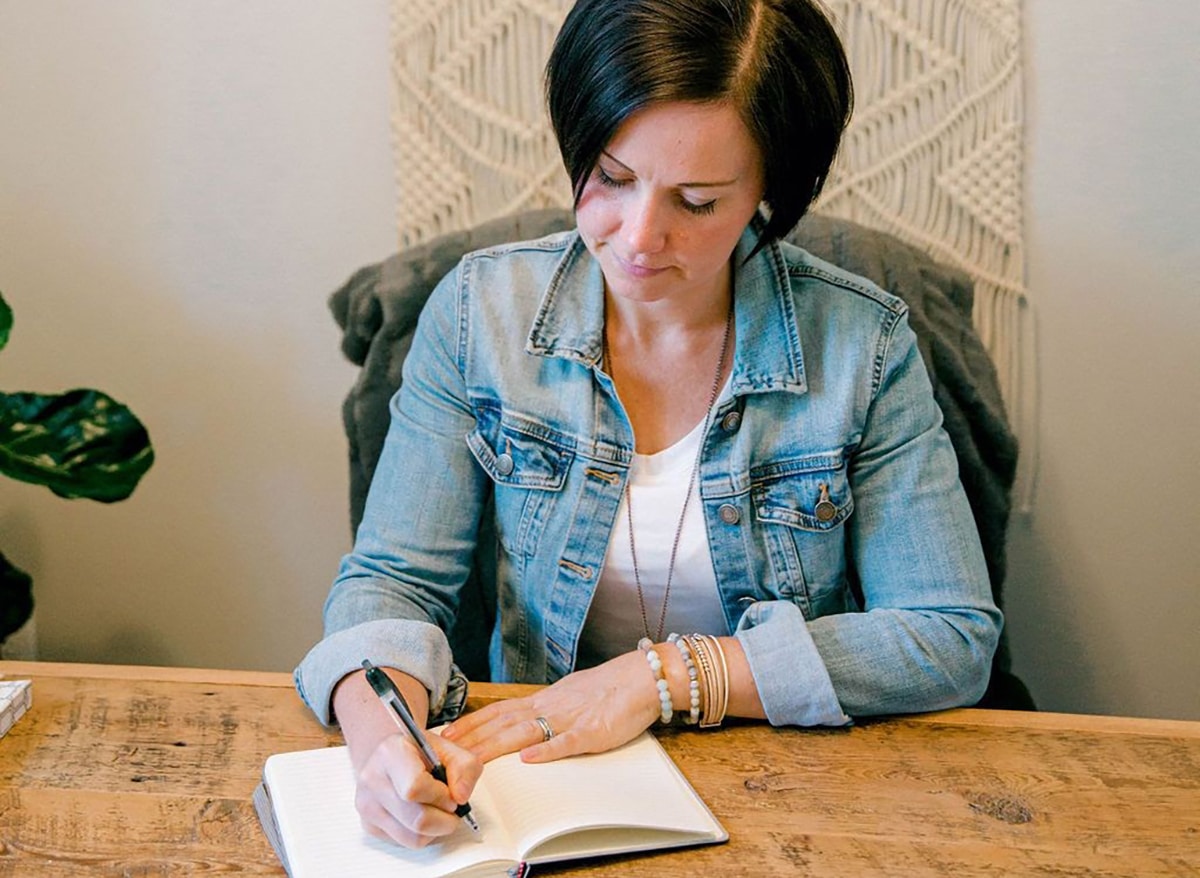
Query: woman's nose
[(644, 227)]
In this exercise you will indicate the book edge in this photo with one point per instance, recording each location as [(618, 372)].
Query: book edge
[(261, 797)]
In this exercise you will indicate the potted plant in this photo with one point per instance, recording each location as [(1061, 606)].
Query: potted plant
[(81, 443)]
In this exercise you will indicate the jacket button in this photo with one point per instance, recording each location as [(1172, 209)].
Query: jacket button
[(729, 514), (825, 509), (504, 464), (731, 421)]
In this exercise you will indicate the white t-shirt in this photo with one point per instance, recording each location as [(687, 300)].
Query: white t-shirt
[(614, 622)]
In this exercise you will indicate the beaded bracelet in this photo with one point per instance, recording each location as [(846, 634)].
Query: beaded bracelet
[(685, 652), (708, 677), (666, 709)]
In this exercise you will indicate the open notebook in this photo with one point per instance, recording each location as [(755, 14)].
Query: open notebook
[(630, 799)]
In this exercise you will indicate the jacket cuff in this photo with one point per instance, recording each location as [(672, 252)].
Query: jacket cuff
[(419, 649), (793, 683)]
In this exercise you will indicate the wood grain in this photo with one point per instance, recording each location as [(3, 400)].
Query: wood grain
[(148, 772)]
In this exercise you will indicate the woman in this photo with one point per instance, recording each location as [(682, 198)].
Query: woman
[(674, 423)]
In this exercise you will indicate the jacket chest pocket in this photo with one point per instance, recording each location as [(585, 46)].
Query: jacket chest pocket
[(528, 472), (801, 506)]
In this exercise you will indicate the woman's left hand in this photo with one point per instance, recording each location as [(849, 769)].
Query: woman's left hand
[(588, 711)]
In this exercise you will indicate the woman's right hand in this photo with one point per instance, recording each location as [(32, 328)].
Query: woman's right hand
[(397, 798)]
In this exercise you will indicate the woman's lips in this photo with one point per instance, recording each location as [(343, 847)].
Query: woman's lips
[(638, 271)]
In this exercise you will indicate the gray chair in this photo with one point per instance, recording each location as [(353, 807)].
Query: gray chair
[(377, 310)]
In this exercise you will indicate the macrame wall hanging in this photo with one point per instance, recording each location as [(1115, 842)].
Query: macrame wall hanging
[(933, 154)]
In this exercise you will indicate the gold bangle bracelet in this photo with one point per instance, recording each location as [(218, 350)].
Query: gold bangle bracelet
[(722, 677), (712, 694), (705, 667)]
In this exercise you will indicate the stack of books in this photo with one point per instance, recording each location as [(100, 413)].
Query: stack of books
[(16, 696)]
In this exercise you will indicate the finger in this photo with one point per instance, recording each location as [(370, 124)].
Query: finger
[(382, 823), (463, 767), (384, 809), (467, 725), (517, 734), (545, 752), (397, 834), (398, 795), (503, 732), (400, 768), (589, 737)]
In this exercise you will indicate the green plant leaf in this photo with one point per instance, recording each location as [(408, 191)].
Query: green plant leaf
[(16, 597), (6, 320), (81, 443)]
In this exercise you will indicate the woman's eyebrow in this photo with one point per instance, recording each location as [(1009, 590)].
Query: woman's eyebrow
[(710, 185)]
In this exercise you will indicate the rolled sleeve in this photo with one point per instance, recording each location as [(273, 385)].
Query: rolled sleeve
[(419, 649), (793, 684)]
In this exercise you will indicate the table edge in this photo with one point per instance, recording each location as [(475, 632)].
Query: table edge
[(484, 692), (151, 673)]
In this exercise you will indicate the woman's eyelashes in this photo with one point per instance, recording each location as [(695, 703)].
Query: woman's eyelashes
[(699, 208), (608, 180), (703, 208)]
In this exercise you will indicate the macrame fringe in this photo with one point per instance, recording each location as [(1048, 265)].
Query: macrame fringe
[(470, 135)]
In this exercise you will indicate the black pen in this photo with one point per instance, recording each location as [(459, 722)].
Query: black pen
[(391, 698)]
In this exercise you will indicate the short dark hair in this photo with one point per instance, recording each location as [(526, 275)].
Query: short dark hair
[(779, 62)]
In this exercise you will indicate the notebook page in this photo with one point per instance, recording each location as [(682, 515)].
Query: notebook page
[(636, 785), (313, 796)]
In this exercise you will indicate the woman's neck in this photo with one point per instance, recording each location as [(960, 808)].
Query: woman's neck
[(668, 320), (662, 360)]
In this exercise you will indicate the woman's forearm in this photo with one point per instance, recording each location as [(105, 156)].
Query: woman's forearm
[(363, 718)]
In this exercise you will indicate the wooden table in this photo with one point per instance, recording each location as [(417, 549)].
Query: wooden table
[(144, 772)]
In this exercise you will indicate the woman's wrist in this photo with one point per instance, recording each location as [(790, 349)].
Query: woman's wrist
[(364, 720)]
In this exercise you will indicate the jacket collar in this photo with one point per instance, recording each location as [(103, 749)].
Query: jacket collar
[(767, 353)]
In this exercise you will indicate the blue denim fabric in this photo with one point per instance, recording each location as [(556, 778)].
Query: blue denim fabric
[(878, 603)]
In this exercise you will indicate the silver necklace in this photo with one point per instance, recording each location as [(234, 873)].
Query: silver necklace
[(637, 573)]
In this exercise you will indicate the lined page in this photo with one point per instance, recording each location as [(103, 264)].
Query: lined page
[(313, 795), (636, 785)]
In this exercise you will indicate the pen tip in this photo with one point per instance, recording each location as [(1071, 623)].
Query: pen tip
[(472, 822)]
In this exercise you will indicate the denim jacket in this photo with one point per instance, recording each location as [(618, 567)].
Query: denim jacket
[(845, 553)]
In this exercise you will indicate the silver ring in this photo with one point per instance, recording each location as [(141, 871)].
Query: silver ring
[(547, 732)]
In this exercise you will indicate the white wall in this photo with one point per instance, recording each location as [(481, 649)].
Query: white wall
[(1104, 592), (183, 183)]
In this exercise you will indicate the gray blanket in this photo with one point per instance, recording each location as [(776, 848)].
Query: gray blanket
[(377, 310)]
